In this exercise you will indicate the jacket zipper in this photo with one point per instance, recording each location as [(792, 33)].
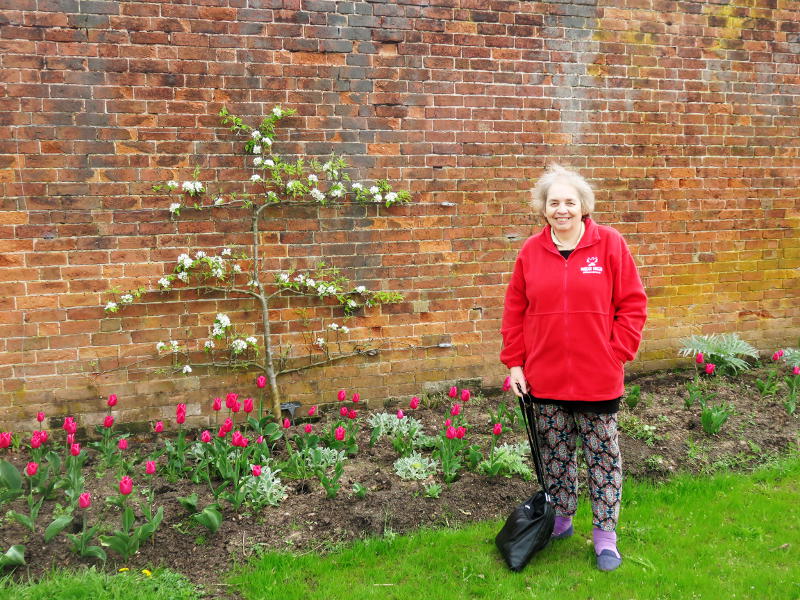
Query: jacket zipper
[(567, 351)]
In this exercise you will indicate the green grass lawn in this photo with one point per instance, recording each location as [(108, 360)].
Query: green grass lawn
[(725, 536)]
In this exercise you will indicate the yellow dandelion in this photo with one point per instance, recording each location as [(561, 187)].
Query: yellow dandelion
[(147, 572), (123, 569)]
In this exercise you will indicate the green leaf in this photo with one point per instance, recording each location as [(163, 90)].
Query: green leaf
[(13, 557), (22, 519), (94, 552), (9, 476), (128, 518), (189, 502), (57, 527), (123, 544), (210, 518)]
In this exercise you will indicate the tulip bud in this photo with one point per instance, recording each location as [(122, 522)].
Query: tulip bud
[(112, 400), (341, 395), (400, 414), (123, 444), (150, 467), (465, 395), (448, 422), (498, 429), (248, 405), (40, 416), (217, 405), (205, 437), (159, 426), (31, 468), (257, 470), (108, 421), (796, 371), (85, 500), (414, 403), (75, 449), (339, 433), (286, 424), (70, 439), (307, 428), (125, 485), (261, 382), (699, 358), (507, 384), (453, 392), (312, 411), (356, 397)]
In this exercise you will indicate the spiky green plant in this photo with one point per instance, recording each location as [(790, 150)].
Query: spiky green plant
[(791, 356), (724, 350)]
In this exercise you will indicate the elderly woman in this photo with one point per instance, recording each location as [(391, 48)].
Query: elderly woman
[(574, 313)]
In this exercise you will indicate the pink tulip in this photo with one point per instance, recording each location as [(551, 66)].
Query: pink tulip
[(248, 405), (123, 444), (307, 428), (150, 467), (40, 416), (453, 392), (312, 411), (36, 440), (456, 410), (261, 382), (796, 371), (108, 421), (236, 439), (180, 414), (69, 425), (414, 404), (356, 397), (75, 449), (235, 407), (339, 433), (222, 432), (85, 500), (112, 400), (776, 356), (448, 422), (230, 399), (351, 414), (286, 424), (450, 432), (44, 436), (465, 395), (125, 485), (256, 470), (158, 427), (5, 439), (217, 405), (699, 358), (341, 395), (343, 411), (400, 414), (461, 432), (498, 429), (205, 437), (227, 424), (70, 439), (710, 368), (507, 384), (31, 468), (245, 442)]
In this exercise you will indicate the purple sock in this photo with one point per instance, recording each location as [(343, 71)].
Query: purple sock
[(561, 524), (604, 540)]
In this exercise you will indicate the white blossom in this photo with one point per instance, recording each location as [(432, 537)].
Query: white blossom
[(277, 111), (238, 346), (223, 319), (174, 345), (291, 184), (255, 177), (317, 195), (257, 161), (319, 342), (357, 186), (187, 369), (161, 346), (164, 282), (337, 191), (192, 187), (172, 184), (256, 134), (256, 149), (284, 277), (111, 306), (374, 190), (327, 166), (333, 326), (377, 198), (209, 345), (269, 162), (218, 200), (185, 261), (218, 273), (237, 269), (345, 329), (252, 283), (174, 207), (352, 303), (310, 282), (126, 298), (313, 178), (225, 252), (183, 276), (361, 289), (300, 278), (199, 254), (391, 197), (251, 340), (267, 141)]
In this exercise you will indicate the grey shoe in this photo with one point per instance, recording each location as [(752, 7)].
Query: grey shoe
[(564, 534), (608, 561)]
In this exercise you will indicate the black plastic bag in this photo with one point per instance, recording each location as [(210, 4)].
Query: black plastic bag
[(529, 527)]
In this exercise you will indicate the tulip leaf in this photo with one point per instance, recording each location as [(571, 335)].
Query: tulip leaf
[(144, 532), (9, 476), (13, 557), (56, 527), (189, 502), (210, 517), (127, 518), (24, 520), (95, 552)]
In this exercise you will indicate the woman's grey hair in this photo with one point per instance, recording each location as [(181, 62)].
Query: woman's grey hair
[(556, 173)]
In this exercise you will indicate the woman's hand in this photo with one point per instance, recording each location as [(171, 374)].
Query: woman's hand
[(517, 378)]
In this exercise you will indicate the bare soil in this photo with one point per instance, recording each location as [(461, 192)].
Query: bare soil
[(309, 521)]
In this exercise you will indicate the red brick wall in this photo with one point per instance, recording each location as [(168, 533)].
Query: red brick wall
[(683, 114)]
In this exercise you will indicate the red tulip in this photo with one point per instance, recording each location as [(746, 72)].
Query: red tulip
[(31, 468), (453, 392), (307, 428), (69, 425), (235, 407), (36, 440), (227, 424), (312, 411), (461, 432), (112, 400), (465, 395), (85, 500), (150, 467), (356, 397), (5, 439), (260, 439), (158, 427), (261, 382), (205, 437), (217, 404), (256, 470), (75, 449), (699, 358), (248, 405), (414, 403), (287, 423), (400, 414), (507, 384), (456, 410), (796, 371), (448, 422), (498, 429), (125, 485), (341, 395), (222, 431), (180, 413), (230, 399), (776, 356), (44, 436), (339, 433), (450, 432), (710, 368), (123, 444), (70, 439), (343, 411), (40, 416), (108, 421), (236, 439), (351, 414)]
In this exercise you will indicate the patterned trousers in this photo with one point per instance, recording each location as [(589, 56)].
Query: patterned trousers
[(558, 431)]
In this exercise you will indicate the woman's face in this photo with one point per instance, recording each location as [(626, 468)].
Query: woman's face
[(563, 209)]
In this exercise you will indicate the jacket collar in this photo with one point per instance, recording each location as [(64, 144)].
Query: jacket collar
[(590, 236)]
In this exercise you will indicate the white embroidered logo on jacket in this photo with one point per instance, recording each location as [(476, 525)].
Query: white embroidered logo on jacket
[(591, 266)]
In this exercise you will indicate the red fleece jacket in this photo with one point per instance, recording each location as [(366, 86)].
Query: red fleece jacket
[(573, 323)]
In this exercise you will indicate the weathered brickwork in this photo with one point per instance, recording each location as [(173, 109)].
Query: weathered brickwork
[(685, 115)]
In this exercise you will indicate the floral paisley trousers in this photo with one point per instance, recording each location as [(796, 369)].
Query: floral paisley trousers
[(558, 430)]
